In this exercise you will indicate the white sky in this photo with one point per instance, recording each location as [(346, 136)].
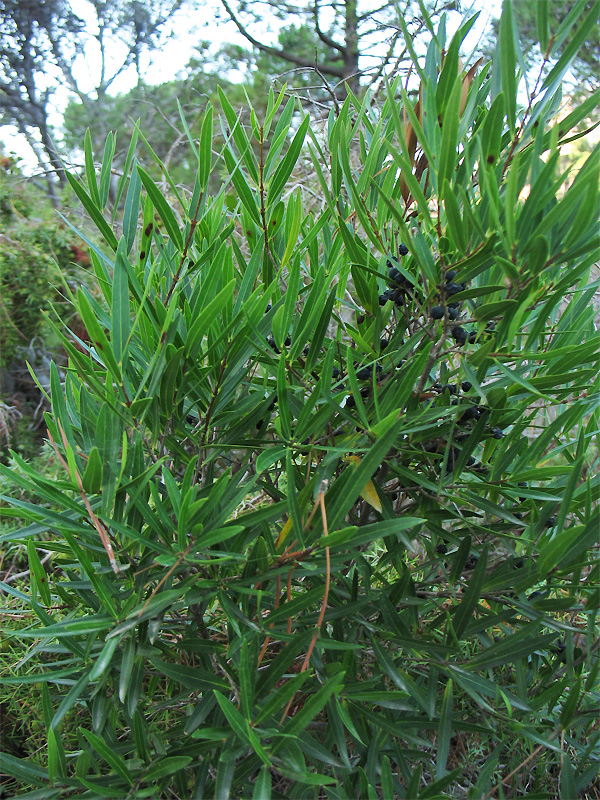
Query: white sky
[(189, 27)]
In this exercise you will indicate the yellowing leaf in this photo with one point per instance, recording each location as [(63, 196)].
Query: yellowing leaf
[(283, 533), (368, 493)]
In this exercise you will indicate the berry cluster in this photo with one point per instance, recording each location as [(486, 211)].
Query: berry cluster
[(399, 285), (449, 289)]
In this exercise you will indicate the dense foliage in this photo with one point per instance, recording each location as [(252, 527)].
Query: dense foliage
[(38, 254), (324, 507)]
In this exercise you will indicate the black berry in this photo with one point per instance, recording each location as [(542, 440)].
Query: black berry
[(459, 335), (551, 522), (364, 374), (449, 387), (471, 413), (402, 250), (437, 312), (454, 288), (497, 433), (466, 386), (450, 275)]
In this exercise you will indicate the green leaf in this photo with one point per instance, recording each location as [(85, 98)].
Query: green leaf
[(72, 627), (312, 707), (225, 772), (24, 770), (246, 195), (97, 335), (543, 29), (241, 727), (166, 766), (190, 677), (577, 39), (284, 170), (491, 134), (447, 162), (106, 169), (205, 147), (92, 476), (93, 210), (90, 169), (118, 764), (507, 55), (570, 705), (162, 207), (38, 573), (262, 785), (239, 136), (131, 211), (462, 615), (444, 731), (454, 219), (121, 322), (104, 659)]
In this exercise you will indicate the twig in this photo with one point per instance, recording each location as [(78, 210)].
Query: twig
[(320, 502), (102, 533)]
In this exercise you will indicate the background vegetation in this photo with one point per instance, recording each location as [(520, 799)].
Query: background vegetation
[(316, 514)]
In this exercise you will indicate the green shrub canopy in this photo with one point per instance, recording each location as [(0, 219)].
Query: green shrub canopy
[(326, 515)]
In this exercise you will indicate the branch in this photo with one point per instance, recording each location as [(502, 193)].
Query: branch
[(323, 36), (367, 14), (338, 72)]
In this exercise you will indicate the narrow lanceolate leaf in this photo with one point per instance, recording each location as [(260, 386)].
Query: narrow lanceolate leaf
[(94, 211), (90, 169), (313, 706), (73, 627), (444, 731), (92, 475), (447, 162), (166, 766), (470, 598), (241, 727), (262, 785), (368, 492), (577, 39), (108, 754), (508, 61), (97, 335), (205, 148), (38, 572), (132, 209), (247, 196), (347, 488), (106, 169), (121, 321), (284, 170), (163, 209)]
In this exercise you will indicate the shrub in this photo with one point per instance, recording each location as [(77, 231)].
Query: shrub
[(313, 539), (38, 253)]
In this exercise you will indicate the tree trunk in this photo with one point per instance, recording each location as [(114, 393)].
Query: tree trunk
[(351, 49)]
